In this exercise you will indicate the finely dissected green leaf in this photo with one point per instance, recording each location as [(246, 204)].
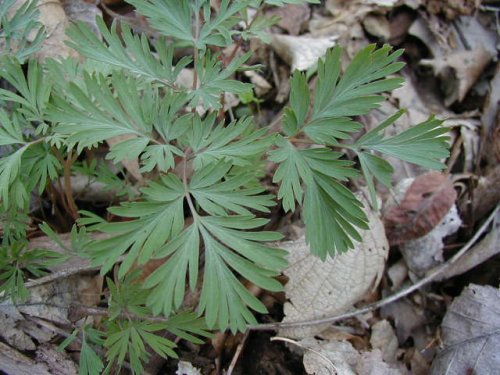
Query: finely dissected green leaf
[(375, 167), (291, 170), (9, 170), (17, 262), (134, 54), (424, 144), (128, 339), (296, 113), (96, 115), (156, 220), (329, 130), (193, 22), (169, 280), (90, 363), (11, 130), (40, 164), (224, 299), (159, 155), (23, 35), (331, 211), (34, 89), (218, 196), (214, 80), (356, 91), (228, 248), (173, 18), (237, 142)]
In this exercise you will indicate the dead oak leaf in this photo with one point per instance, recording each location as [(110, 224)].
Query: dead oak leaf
[(425, 204), (471, 333)]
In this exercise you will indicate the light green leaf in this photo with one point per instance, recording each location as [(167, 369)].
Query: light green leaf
[(133, 54), (238, 142), (355, 92), (156, 220), (224, 299), (220, 195)]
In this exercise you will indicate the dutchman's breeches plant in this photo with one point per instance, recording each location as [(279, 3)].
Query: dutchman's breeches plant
[(201, 204)]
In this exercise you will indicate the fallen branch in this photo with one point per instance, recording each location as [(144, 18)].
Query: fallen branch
[(383, 302)]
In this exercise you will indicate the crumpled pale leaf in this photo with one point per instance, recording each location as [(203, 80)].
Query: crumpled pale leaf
[(384, 339), (262, 86), (377, 25), (301, 52), (459, 71), (407, 317), (471, 333), (292, 16), (186, 368), (340, 357), (82, 11), (317, 289)]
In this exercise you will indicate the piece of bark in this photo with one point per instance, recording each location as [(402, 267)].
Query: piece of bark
[(484, 197), (13, 362)]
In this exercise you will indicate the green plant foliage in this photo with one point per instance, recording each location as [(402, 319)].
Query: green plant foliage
[(201, 207), (16, 29), (17, 262)]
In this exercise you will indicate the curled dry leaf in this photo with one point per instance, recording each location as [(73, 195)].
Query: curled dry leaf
[(459, 71), (317, 289), (425, 204), (186, 368), (384, 339), (340, 357), (301, 52), (292, 16), (471, 333)]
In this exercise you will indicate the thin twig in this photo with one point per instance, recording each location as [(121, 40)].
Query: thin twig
[(383, 302), (63, 274), (237, 354)]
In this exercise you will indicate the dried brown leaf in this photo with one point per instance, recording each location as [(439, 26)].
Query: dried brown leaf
[(424, 206), (292, 16), (471, 333)]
